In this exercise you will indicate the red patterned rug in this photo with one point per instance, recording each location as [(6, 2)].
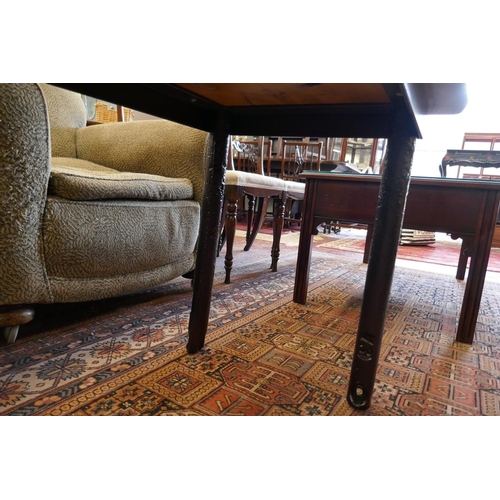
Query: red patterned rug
[(444, 252), (265, 355)]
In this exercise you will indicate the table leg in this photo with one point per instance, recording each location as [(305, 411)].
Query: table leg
[(368, 243), (387, 229), (208, 241), (465, 253), (307, 231), (477, 270)]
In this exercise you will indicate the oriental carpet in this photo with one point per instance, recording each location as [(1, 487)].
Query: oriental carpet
[(264, 354), (444, 251)]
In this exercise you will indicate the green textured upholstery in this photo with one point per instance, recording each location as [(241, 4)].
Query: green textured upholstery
[(92, 212)]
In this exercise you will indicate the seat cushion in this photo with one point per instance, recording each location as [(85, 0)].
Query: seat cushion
[(295, 189), (249, 179), (75, 179)]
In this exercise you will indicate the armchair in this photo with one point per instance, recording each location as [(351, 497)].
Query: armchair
[(90, 212)]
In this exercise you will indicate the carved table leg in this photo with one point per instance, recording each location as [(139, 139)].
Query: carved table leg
[(387, 229), (209, 237)]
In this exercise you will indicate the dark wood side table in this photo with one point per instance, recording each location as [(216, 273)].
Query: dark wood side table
[(372, 110), (469, 158), (465, 209)]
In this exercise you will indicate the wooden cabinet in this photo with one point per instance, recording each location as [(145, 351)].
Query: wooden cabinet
[(363, 152)]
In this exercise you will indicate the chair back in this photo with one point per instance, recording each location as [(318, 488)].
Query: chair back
[(67, 114), (249, 156), (297, 156)]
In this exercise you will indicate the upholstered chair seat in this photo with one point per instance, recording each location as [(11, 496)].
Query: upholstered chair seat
[(246, 176)]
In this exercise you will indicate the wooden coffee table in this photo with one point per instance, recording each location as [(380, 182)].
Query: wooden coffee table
[(464, 209)]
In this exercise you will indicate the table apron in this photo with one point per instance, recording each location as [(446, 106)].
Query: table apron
[(428, 208)]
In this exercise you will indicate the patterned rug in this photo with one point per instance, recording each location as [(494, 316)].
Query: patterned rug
[(264, 355), (444, 251)]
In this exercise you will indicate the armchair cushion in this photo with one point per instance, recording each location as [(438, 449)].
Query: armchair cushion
[(81, 180)]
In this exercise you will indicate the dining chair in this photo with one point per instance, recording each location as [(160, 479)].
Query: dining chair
[(245, 178), (297, 156), (246, 158)]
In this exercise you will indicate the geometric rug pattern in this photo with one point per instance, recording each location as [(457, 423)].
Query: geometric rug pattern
[(264, 354)]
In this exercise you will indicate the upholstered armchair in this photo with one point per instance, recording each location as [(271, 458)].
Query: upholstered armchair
[(89, 212)]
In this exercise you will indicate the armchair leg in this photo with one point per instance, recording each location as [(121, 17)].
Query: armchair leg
[(11, 320), (10, 333)]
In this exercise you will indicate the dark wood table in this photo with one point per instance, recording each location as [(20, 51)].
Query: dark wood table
[(469, 158), (372, 110), (464, 209)]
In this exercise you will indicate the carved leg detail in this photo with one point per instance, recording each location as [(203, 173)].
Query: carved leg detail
[(212, 204)]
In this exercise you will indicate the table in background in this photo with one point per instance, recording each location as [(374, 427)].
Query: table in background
[(465, 209), (469, 158)]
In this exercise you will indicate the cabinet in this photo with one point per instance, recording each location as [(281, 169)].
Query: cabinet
[(363, 152)]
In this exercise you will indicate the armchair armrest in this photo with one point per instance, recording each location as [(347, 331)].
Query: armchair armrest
[(24, 176), (158, 147)]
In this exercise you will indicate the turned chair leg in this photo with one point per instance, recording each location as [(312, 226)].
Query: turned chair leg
[(222, 224), (260, 217), (232, 206), (11, 321), (250, 216), (278, 221)]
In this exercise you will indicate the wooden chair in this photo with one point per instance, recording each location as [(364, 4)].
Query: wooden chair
[(245, 178), (246, 159), (297, 156)]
